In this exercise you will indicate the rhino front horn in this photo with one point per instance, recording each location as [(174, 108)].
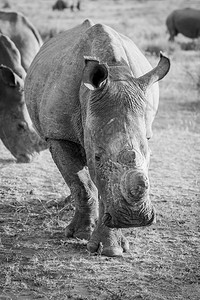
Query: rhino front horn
[(155, 74)]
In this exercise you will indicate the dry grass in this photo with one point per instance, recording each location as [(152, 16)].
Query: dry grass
[(36, 260)]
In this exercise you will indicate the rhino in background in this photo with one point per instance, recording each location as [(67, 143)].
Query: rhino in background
[(93, 96), (185, 21), (16, 129), (6, 5), (25, 36), (75, 3), (61, 5)]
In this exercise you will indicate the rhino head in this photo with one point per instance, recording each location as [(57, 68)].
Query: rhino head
[(115, 139), (16, 129)]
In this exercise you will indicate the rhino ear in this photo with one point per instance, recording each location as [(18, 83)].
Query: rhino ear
[(8, 76), (94, 73), (156, 74)]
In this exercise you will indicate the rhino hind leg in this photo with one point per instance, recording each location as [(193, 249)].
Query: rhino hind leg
[(172, 33), (107, 241), (70, 161)]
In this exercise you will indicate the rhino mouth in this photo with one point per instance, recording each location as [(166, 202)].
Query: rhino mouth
[(139, 220), (24, 158)]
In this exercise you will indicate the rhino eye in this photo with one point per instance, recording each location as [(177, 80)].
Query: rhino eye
[(98, 160), (99, 156), (21, 126)]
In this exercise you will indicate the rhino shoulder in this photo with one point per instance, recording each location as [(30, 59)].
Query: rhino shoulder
[(18, 18), (53, 80), (87, 23), (32, 29)]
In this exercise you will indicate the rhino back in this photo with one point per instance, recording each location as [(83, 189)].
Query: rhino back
[(187, 22), (52, 84), (53, 81), (25, 36)]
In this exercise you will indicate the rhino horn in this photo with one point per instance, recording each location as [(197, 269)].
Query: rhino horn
[(94, 73), (155, 74)]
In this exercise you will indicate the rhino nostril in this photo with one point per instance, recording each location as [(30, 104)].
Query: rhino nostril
[(143, 182), (136, 190), (138, 185), (134, 185)]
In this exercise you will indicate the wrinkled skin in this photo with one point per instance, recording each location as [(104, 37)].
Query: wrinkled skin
[(16, 129), (93, 96), (185, 21), (25, 36)]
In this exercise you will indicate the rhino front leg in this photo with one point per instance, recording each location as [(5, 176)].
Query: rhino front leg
[(70, 160), (107, 241)]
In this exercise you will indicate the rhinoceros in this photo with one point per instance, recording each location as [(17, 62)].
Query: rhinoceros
[(16, 129), (61, 5), (25, 36), (6, 5), (185, 21), (77, 4), (91, 94)]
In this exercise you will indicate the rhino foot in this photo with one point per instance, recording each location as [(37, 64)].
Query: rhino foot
[(108, 242), (81, 226)]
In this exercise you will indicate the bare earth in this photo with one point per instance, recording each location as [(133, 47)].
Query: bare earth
[(38, 262)]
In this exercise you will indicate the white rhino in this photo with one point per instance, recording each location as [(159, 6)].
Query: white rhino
[(16, 129), (23, 33), (61, 5), (93, 96), (185, 21)]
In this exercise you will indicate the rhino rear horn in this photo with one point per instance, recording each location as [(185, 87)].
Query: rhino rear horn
[(94, 73), (156, 74)]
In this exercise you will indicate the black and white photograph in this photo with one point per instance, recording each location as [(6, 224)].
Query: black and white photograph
[(99, 149)]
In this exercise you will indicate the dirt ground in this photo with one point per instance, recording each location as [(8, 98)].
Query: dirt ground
[(38, 262)]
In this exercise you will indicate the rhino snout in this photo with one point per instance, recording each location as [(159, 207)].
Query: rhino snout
[(137, 219), (134, 185), (42, 144)]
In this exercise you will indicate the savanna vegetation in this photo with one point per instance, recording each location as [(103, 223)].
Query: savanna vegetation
[(36, 260)]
